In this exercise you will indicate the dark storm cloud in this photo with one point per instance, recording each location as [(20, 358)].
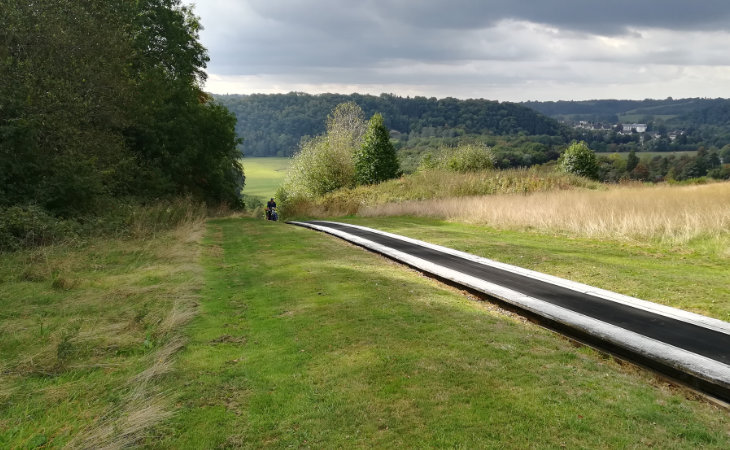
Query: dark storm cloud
[(593, 16), (471, 42), (333, 33)]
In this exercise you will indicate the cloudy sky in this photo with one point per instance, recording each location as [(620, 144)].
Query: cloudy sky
[(508, 50)]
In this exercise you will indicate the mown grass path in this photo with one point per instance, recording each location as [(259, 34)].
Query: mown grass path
[(302, 340)]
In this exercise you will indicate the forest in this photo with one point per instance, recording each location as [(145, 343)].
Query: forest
[(672, 125), (519, 135), (273, 125), (103, 109)]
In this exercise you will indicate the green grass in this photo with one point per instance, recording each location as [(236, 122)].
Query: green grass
[(305, 341), (299, 339), (639, 117), (649, 155), (264, 175), (85, 334), (690, 276)]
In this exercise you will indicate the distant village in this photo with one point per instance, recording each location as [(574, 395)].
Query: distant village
[(625, 129)]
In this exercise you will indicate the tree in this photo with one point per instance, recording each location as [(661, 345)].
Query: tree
[(725, 154), (346, 125), (376, 161), (64, 101), (580, 160), (632, 161), (326, 163), (104, 99)]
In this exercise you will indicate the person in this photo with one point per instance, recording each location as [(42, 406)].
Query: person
[(270, 206)]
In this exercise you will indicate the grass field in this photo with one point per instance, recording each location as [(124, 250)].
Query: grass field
[(690, 275), (670, 213), (637, 118), (305, 341), (264, 175), (267, 335), (437, 184), (87, 332), (649, 155)]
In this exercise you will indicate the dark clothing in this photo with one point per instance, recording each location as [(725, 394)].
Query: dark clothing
[(271, 204)]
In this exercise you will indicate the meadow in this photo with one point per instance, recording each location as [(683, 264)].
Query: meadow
[(632, 212), (238, 332), (246, 333), (88, 330), (649, 155), (263, 176), (305, 341), (436, 184)]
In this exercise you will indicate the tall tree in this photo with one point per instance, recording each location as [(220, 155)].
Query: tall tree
[(631, 161), (102, 99), (376, 160), (64, 94), (180, 135)]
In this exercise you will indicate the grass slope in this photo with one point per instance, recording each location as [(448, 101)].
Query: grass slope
[(86, 333), (264, 175), (303, 340)]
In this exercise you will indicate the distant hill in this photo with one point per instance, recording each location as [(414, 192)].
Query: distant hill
[(273, 125), (679, 113)]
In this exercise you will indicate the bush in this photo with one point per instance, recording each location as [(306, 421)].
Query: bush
[(28, 226), (319, 168), (32, 226), (464, 158), (720, 173), (580, 160)]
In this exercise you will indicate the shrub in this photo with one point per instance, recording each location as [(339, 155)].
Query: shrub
[(580, 160), (319, 168), (470, 158), (720, 173), (464, 158), (27, 226), (326, 163)]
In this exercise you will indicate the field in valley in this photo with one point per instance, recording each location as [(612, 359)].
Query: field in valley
[(264, 175)]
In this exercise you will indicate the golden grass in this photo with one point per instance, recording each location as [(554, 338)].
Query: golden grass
[(435, 184), (668, 213)]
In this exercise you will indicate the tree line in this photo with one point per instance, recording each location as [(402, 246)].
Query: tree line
[(273, 125), (672, 125), (102, 100), (579, 159)]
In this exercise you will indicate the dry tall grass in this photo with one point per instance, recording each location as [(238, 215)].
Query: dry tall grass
[(434, 184), (668, 213)]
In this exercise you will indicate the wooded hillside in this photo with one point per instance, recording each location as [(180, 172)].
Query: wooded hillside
[(272, 125)]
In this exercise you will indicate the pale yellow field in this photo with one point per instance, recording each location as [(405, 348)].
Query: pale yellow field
[(671, 213)]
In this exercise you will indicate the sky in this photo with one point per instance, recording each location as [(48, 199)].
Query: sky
[(506, 50)]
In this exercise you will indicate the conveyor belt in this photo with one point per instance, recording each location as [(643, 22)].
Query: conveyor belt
[(691, 336)]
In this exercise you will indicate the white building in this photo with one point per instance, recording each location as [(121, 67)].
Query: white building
[(630, 127)]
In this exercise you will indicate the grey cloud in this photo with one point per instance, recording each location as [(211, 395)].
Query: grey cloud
[(509, 41), (594, 16), (603, 17)]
